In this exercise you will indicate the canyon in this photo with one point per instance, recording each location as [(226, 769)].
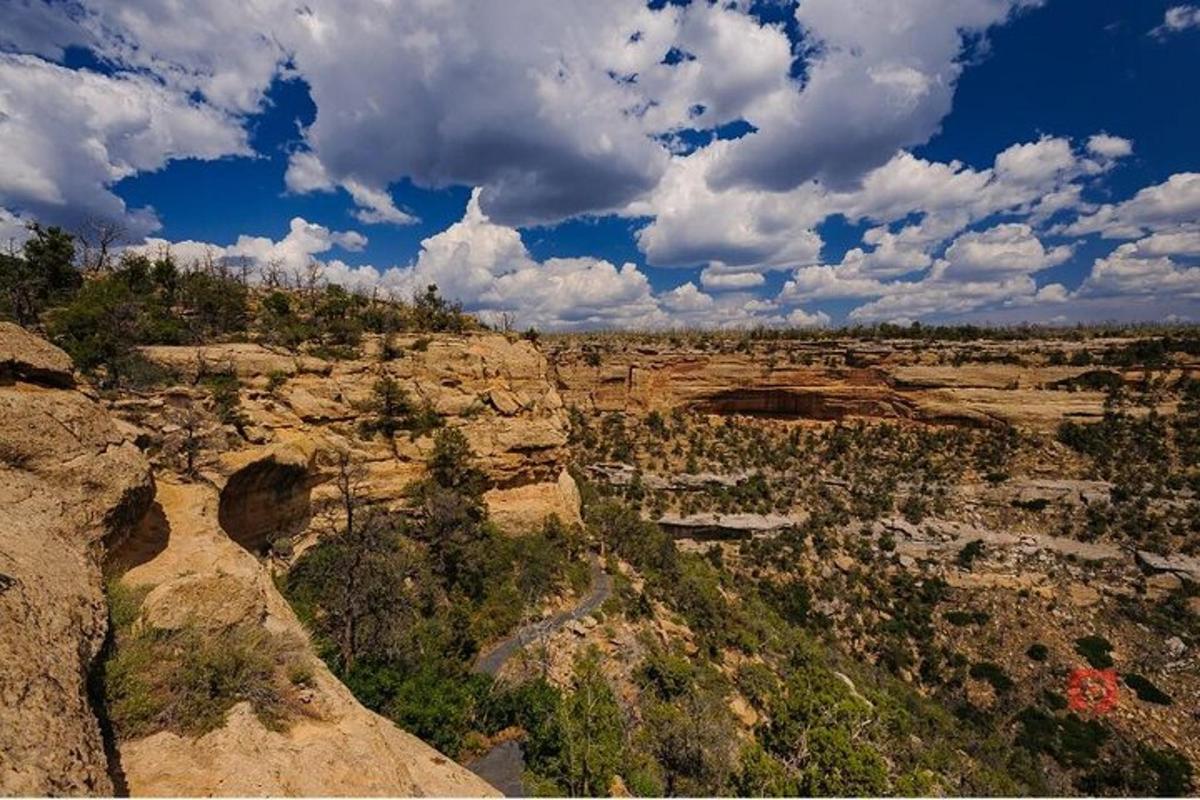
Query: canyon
[(202, 506)]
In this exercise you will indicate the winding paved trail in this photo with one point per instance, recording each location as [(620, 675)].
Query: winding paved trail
[(503, 765), (492, 661)]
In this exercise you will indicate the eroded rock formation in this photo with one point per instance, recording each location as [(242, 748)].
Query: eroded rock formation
[(71, 485), (266, 494), (198, 575), (496, 390)]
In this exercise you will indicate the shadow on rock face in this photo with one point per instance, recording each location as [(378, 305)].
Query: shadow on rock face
[(265, 500), (145, 540), (801, 404)]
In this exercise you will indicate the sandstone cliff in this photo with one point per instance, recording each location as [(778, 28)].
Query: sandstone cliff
[(71, 484), (77, 495), (824, 380), (496, 390)]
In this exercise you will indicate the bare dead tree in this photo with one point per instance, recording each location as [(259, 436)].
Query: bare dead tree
[(245, 265), (273, 274), (350, 477), (97, 238), (311, 277), (190, 441)]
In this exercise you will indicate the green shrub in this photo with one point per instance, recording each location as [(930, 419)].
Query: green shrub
[(224, 390), (1054, 701), (668, 675), (1147, 691), (970, 551), (42, 275), (1071, 741), (431, 312), (993, 674), (436, 706), (1035, 504), (275, 381), (1038, 652), (1164, 773), (186, 680), (1095, 649)]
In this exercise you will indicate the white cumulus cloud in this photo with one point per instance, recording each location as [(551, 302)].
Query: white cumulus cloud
[(69, 135)]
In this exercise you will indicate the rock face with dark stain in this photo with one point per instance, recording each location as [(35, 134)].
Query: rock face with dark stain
[(804, 403), (710, 526), (71, 486)]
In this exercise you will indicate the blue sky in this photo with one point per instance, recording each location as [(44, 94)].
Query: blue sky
[(641, 166)]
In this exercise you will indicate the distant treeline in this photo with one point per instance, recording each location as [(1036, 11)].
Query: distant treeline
[(1177, 337)]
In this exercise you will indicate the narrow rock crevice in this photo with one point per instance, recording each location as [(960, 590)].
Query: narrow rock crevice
[(99, 706)]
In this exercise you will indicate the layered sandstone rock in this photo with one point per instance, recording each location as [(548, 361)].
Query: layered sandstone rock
[(823, 380), (198, 575), (524, 508), (71, 484), (496, 390)]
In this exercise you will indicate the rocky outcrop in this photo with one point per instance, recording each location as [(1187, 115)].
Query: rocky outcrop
[(496, 390), (198, 575), (525, 508), (723, 526), (24, 357), (618, 474), (943, 539), (71, 486), (1181, 566)]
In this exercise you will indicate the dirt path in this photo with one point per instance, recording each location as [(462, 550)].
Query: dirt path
[(503, 765)]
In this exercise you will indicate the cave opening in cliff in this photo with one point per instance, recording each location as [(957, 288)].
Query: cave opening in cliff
[(785, 403), (264, 502)]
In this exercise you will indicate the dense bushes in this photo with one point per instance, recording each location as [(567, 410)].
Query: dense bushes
[(1101, 763), (1096, 649), (1147, 691), (42, 275)]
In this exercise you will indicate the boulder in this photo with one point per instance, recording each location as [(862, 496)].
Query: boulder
[(25, 357), (1162, 584), (1176, 647), (1083, 595), (524, 508), (1181, 566)]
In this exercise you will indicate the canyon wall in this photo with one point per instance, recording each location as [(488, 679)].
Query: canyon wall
[(79, 501), (71, 485), (824, 380)]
